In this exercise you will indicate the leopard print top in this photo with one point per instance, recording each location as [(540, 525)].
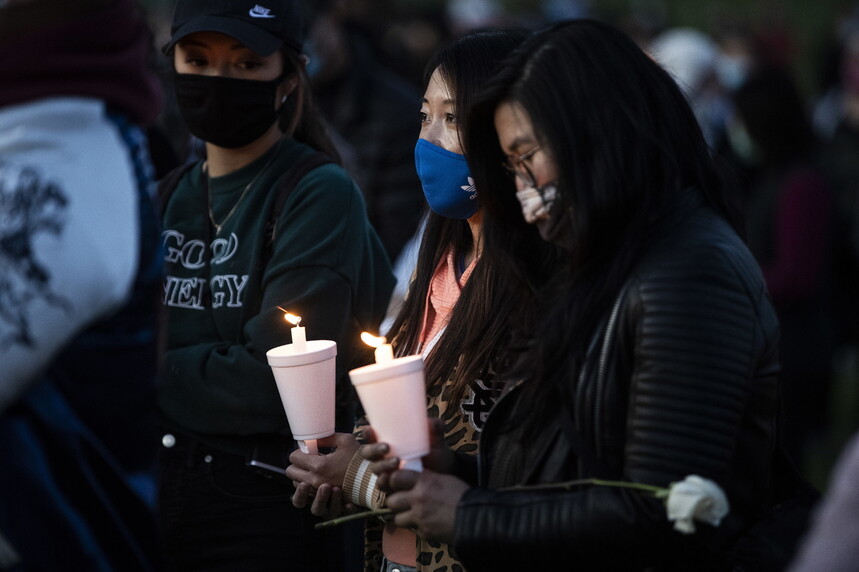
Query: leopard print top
[(462, 431), (462, 426)]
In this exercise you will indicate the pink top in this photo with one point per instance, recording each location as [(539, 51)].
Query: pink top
[(398, 544), (442, 297)]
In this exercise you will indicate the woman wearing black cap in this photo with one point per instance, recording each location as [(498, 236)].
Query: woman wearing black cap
[(234, 255)]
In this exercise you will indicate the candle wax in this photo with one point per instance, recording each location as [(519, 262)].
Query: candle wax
[(299, 340), (384, 353)]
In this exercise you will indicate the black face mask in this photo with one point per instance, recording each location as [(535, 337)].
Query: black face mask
[(225, 111)]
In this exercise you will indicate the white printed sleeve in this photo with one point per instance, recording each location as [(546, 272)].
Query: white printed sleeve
[(68, 230)]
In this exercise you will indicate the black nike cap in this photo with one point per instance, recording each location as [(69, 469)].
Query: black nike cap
[(263, 25)]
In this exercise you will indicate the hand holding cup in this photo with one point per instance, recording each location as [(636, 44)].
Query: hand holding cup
[(306, 384)]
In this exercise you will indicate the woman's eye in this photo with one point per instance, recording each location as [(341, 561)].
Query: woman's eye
[(424, 117), (250, 65), (450, 117), (195, 62)]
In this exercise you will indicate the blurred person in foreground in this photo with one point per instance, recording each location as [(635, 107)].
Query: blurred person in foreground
[(832, 542), (79, 287)]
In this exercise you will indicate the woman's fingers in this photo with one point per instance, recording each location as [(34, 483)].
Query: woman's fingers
[(321, 505), (303, 495), (426, 502), (374, 451)]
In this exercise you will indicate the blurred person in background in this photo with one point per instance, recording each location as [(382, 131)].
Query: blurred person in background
[(79, 288), (373, 110), (836, 122), (692, 57), (739, 53), (414, 32), (789, 224)]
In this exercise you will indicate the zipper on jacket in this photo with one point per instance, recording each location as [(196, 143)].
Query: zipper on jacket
[(607, 340)]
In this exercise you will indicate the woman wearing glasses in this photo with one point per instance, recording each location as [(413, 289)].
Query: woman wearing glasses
[(655, 353), (456, 314)]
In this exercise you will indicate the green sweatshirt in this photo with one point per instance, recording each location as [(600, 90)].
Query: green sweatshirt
[(327, 266)]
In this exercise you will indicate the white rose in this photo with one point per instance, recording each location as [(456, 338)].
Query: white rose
[(695, 498)]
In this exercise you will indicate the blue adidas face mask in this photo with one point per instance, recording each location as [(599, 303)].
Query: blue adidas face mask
[(446, 180)]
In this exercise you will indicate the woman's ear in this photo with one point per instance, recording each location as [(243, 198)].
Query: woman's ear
[(287, 86)]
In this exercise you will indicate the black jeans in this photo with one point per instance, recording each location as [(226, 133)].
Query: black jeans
[(216, 513)]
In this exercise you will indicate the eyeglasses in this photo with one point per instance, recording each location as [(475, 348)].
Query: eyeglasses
[(516, 165)]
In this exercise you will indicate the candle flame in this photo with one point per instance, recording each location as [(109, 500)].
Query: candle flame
[(292, 319), (371, 340)]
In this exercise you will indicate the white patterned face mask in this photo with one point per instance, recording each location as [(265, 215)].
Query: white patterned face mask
[(540, 208), (537, 202)]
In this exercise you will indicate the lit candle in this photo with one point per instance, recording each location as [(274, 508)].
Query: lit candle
[(299, 338), (384, 351)]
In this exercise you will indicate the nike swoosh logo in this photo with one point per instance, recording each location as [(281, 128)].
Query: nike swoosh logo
[(260, 12)]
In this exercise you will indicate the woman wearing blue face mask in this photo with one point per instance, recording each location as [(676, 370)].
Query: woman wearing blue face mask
[(456, 313), (262, 223)]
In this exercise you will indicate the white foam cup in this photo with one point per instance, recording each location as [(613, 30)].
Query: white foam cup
[(394, 398), (306, 384)]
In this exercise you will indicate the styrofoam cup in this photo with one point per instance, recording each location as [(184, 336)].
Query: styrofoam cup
[(394, 398), (306, 383)]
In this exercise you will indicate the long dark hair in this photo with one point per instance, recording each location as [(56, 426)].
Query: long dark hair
[(626, 145), (300, 117), (478, 326)]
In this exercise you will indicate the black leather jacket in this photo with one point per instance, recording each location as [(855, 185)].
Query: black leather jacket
[(681, 380)]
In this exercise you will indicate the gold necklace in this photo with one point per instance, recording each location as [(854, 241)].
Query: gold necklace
[(217, 226)]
